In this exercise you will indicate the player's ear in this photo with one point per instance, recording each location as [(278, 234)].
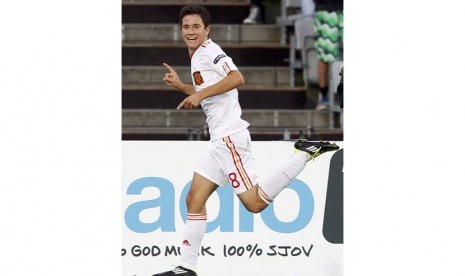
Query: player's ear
[(208, 30)]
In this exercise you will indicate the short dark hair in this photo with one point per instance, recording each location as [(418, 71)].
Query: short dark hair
[(192, 9)]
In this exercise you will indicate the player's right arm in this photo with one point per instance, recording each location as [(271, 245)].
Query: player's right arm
[(172, 79)]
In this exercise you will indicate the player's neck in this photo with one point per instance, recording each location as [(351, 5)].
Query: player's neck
[(193, 50)]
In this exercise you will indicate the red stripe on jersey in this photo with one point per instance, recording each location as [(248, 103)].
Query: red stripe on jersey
[(226, 68), (238, 163)]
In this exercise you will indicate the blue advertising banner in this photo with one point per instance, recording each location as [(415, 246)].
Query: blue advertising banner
[(300, 233)]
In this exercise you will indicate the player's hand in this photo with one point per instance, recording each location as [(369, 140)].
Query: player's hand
[(171, 78), (191, 102)]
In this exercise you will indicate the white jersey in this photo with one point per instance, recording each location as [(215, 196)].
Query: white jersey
[(209, 65)]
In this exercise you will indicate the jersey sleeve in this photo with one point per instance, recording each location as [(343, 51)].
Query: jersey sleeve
[(220, 62)]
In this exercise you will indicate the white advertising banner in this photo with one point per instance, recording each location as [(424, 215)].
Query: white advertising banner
[(296, 235)]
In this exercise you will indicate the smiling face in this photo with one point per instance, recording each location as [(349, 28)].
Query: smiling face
[(194, 32)]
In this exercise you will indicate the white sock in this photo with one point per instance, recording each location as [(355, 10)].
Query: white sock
[(277, 181), (196, 225)]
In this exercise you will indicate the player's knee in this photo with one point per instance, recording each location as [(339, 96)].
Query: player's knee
[(252, 201), (254, 208), (193, 201)]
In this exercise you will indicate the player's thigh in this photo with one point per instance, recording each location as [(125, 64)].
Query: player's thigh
[(201, 189)]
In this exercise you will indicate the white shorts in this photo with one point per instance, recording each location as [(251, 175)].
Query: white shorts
[(229, 160)]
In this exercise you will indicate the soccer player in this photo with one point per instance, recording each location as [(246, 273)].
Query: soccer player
[(228, 156)]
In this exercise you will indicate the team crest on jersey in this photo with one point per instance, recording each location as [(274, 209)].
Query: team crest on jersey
[(197, 78)]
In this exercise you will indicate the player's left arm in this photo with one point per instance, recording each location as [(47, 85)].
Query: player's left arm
[(232, 80)]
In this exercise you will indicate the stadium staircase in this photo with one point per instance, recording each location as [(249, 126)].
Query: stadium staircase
[(151, 35)]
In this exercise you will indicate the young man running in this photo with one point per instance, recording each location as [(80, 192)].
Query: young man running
[(228, 156)]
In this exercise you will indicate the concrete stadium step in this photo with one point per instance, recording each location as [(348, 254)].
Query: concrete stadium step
[(257, 134), (151, 75), (219, 33), (175, 53), (221, 12), (147, 118), (190, 125), (250, 97), (186, 2)]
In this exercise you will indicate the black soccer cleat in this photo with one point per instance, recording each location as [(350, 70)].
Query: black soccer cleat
[(315, 149), (179, 270)]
